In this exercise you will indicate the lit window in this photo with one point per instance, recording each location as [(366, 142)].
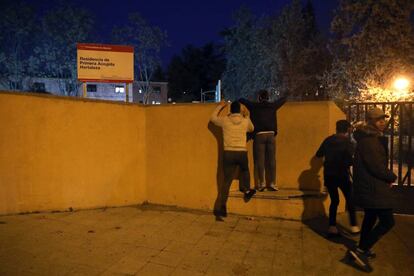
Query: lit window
[(91, 88), (119, 89), (140, 91)]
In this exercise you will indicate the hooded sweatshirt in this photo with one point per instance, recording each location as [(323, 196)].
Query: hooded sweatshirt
[(235, 126)]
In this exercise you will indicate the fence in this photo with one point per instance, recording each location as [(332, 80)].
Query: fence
[(399, 131)]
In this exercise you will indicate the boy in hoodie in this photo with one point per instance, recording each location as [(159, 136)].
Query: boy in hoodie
[(235, 126), (337, 150), (263, 114), (372, 182)]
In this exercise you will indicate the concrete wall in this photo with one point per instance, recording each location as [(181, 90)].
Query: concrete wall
[(184, 151), (57, 153)]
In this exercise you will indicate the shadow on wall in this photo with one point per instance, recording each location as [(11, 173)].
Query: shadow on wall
[(310, 184), (218, 134)]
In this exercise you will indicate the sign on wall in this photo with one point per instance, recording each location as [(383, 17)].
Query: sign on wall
[(105, 63)]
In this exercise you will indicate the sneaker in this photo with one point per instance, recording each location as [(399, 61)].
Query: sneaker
[(361, 259), (333, 232), (261, 187), (248, 195), (272, 187), (219, 218), (370, 254), (355, 229)]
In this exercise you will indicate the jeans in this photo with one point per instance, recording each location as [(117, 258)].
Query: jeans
[(232, 160), (332, 183), (370, 234), (265, 158)]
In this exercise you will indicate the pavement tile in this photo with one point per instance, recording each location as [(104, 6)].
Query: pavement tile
[(127, 265), (152, 269), (168, 258), (220, 267), (179, 247), (183, 272), (161, 241)]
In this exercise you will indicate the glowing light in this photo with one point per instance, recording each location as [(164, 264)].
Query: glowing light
[(401, 84)]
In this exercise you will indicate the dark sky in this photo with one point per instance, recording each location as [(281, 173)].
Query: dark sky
[(190, 21)]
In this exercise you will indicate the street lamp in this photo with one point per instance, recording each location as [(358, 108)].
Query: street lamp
[(401, 84), (401, 88)]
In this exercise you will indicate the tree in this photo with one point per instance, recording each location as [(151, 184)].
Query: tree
[(55, 56), (195, 69), (301, 56), (285, 54), (17, 26), (148, 41), (246, 70), (374, 42)]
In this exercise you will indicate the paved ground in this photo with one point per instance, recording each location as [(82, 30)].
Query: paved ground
[(153, 240)]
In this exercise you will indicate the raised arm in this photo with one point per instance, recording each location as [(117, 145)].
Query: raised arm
[(215, 119), (281, 101)]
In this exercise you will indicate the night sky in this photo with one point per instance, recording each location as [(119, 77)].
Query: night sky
[(189, 22)]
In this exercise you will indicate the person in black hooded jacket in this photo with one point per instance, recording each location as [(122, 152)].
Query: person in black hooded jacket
[(372, 183), (263, 116)]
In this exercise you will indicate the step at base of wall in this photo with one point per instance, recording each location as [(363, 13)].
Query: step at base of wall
[(285, 203)]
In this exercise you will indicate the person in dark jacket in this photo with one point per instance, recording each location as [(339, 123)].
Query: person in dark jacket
[(337, 150), (372, 183), (263, 116)]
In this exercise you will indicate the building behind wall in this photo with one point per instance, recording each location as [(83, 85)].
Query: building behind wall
[(94, 90)]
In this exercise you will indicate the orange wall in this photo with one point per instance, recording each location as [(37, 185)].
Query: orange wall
[(57, 153)]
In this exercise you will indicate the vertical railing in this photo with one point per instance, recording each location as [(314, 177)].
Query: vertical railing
[(399, 132)]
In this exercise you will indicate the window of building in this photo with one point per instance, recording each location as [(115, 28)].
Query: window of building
[(39, 87), (119, 89), (91, 88), (156, 89), (15, 85)]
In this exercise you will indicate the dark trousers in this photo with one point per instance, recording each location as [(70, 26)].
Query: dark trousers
[(370, 234), (332, 183), (231, 161), (264, 157)]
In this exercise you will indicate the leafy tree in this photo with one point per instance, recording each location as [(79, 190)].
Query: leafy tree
[(301, 55), (285, 53), (195, 69), (55, 55), (246, 70), (374, 42), (148, 41), (17, 26)]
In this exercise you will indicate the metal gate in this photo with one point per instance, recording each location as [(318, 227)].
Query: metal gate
[(399, 131)]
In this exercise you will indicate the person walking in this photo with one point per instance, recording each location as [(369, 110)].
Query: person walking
[(337, 151), (235, 126), (372, 185), (263, 114)]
